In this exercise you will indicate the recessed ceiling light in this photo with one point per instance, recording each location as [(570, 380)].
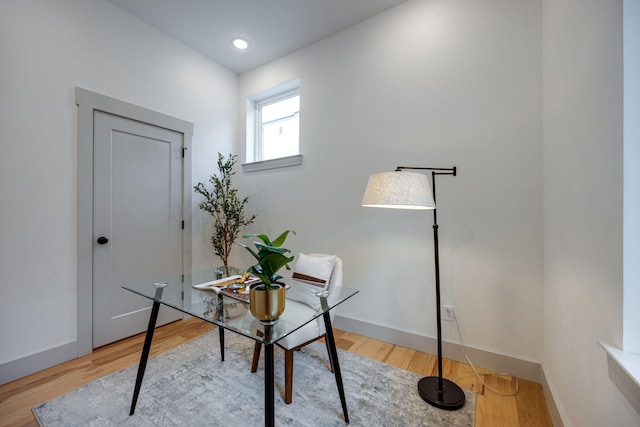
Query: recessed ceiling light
[(240, 43)]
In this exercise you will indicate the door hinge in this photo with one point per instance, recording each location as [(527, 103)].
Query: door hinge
[(183, 224), (183, 150)]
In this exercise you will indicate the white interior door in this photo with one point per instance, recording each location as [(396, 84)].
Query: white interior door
[(137, 226)]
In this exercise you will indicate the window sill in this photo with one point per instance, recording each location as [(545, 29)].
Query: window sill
[(624, 372), (281, 162)]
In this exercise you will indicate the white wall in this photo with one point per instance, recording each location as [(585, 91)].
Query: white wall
[(428, 83), (583, 148), (47, 48)]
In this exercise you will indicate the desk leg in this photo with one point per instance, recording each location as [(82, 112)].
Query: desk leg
[(336, 365), (145, 353), (220, 328), (269, 412), (221, 332)]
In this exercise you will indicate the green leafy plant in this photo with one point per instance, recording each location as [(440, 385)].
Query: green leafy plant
[(271, 257), (225, 206)]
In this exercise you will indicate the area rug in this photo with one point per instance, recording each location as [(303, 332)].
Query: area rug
[(190, 386)]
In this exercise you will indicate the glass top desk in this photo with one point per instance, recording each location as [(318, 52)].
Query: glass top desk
[(178, 292)]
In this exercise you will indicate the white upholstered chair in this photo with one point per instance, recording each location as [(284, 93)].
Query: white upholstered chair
[(302, 302)]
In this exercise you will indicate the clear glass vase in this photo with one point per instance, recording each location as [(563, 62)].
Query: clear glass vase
[(226, 271)]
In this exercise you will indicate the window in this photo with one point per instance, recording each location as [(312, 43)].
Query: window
[(278, 127), (624, 364), (273, 128), (631, 186)]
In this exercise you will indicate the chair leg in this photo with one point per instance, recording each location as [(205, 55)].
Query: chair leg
[(329, 353), (288, 376), (256, 356)]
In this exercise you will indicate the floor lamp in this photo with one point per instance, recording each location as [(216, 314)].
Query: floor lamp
[(411, 190)]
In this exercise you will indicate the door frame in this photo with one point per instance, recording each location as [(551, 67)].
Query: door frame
[(88, 102)]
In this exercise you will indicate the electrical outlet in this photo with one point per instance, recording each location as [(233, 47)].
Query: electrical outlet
[(448, 314)]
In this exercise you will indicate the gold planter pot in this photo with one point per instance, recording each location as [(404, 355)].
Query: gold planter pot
[(267, 305)]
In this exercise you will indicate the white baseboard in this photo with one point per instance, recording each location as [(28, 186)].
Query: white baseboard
[(27, 365), (505, 364)]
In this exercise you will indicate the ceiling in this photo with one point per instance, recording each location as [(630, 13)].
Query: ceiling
[(273, 28)]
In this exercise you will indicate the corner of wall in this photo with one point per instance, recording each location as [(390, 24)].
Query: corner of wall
[(557, 413)]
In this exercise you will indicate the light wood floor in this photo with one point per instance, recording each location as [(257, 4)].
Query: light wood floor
[(17, 398)]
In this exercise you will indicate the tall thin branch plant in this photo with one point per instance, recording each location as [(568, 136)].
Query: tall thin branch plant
[(226, 207)]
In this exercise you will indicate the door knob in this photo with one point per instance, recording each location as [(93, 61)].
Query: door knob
[(102, 240)]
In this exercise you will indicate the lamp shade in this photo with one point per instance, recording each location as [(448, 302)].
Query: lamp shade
[(399, 190)]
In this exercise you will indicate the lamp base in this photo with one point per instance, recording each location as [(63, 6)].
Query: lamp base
[(451, 398)]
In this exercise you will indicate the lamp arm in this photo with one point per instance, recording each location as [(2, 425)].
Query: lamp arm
[(448, 171)]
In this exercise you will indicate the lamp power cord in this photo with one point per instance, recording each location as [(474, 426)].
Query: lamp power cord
[(475, 371)]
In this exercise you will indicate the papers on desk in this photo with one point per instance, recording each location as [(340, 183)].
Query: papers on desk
[(227, 284), (217, 286)]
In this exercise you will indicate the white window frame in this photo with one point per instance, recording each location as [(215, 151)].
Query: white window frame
[(623, 361), (255, 103)]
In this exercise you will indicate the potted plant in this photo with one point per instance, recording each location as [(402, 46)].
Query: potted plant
[(226, 208), (267, 299)]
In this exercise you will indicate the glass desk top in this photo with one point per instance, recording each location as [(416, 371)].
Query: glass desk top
[(224, 310)]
